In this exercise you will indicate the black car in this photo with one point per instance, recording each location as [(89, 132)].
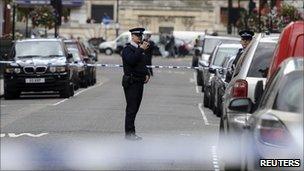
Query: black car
[(219, 83), (216, 60), (39, 65), (90, 73), (209, 43), (80, 67)]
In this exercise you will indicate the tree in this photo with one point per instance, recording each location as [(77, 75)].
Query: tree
[(273, 20), (43, 16)]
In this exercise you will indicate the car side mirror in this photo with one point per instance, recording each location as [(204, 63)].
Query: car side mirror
[(212, 70), (86, 60), (70, 56), (241, 105), (258, 92)]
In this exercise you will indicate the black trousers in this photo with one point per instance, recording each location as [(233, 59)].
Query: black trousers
[(133, 95)]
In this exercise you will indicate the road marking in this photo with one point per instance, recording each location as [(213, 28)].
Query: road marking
[(55, 104), (13, 135), (203, 113), (215, 159), (61, 101), (88, 89)]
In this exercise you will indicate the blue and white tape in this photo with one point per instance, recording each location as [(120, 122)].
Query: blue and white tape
[(120, 66)]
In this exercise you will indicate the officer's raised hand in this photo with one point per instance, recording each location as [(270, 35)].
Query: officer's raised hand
[(144, 45)]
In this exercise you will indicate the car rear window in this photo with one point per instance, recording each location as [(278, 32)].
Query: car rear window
[(261, 60), (222, 53), (290, 95)]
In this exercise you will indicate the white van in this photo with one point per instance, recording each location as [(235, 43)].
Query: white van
[(116, 45)]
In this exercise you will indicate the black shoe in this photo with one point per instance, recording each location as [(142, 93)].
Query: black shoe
[(133, 137)]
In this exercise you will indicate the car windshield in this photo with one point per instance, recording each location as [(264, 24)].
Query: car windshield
[(210, 43), (261, 60), (222, 53), (38, 48), (290, 95)]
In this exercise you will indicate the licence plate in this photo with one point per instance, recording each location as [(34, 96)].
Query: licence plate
[(34, 80)]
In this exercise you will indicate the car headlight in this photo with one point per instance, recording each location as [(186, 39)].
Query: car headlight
[(9, 70), (17, 70), (61, 69), (57, 69)]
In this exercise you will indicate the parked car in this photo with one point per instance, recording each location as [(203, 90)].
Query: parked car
[(252, 67), (80, 66), (93, 53), (220, 84), (290, 44), (209, 43), (90, 74), (116, 45), (216, 60), (275, 128), (39, 65), (95, 42)]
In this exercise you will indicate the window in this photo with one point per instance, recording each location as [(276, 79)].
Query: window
[(261, 60), (102, 11), (210, 43), (223, 53), (290, 95), (270, 87), (38, 48)]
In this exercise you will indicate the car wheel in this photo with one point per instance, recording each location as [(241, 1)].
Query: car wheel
[(199, 79), (67, 91), (206, 99), (9, 95), (72, 90), (108, 51), (211, 100), (217, 109)]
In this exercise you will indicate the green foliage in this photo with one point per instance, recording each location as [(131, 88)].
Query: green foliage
[(273, 21), (43, 16)]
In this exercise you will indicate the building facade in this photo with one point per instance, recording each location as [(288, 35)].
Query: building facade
[(155, 15)]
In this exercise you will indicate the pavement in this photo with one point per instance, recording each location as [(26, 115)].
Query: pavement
[(86, 132)]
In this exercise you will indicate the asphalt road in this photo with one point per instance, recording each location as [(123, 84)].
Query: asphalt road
[(43, 131)]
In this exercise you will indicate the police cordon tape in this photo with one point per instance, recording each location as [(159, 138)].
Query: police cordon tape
[(148, 66), (120, 66)]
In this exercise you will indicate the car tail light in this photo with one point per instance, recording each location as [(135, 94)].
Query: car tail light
[(271, 130), (240, 89)]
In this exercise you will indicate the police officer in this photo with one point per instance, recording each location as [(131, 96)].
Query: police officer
[(136, 74), (246, 37), (149, 51)]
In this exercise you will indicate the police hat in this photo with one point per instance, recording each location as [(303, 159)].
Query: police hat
[(137, 31), (246, 34)]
